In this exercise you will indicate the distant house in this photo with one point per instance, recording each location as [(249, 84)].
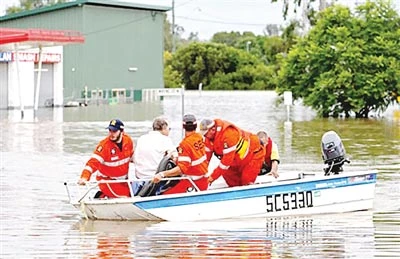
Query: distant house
[(122, 53)]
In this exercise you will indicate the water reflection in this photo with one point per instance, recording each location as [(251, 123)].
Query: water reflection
[(46, 136), (304, 237)]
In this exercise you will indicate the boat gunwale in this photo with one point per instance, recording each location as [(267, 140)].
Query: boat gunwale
[(223, 190)]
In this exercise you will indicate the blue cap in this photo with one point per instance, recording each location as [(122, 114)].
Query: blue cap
[(116, 125)]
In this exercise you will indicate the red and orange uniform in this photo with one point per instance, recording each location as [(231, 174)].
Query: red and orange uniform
[(241, 154), (192, 162), (111, 163)]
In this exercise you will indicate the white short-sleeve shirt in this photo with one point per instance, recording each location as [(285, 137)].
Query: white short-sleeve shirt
[(149, 151)]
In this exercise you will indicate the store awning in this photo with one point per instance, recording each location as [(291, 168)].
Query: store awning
[(19, 39), (34, 38)]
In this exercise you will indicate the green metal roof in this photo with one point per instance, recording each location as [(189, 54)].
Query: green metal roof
[(75, 3)]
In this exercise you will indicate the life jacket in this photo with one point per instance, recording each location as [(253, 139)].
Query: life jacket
[(110, 162), (242, 140), (235, 147), (192, 159)]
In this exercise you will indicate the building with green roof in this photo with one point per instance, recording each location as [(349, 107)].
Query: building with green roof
[(123, 49)]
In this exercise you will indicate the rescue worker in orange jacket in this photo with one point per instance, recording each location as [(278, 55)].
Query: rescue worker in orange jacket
[(240, 152), (271, 158), (191, 162), (111, 161)]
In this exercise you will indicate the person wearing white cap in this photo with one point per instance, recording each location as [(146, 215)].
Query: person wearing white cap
[(111, 160), (192, 161), (240, 152)]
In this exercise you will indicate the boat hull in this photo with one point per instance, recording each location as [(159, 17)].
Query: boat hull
[(306, 196)]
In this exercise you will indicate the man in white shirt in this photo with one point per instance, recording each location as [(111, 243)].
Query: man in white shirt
[(150, 149)]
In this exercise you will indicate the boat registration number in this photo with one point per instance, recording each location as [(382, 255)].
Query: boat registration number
[(289, 201)]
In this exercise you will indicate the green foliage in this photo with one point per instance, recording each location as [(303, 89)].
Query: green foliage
[(172, 78), (167, 31), (218, 66), (348, 63), (245, 78), (232, 38), (289, 36), (233, 61), (272, 46)]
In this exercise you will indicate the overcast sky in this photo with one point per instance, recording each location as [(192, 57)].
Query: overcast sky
[(210, 16)]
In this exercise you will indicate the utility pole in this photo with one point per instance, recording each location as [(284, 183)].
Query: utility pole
[(173, 27)]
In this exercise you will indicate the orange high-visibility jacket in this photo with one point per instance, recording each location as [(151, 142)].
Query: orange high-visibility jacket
[(192, 158), (232, 145), (109, 160)]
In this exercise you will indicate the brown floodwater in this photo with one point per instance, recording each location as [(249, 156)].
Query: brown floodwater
[(39, 153)]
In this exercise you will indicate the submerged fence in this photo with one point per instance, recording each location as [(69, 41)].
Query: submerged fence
[(122, 95)]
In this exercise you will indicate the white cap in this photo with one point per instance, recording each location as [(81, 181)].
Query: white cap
[(205, 125)]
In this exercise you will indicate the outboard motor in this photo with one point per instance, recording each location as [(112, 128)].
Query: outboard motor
[(333, 153)]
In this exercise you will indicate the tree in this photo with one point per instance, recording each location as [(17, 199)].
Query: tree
[(172, 78), (179, 40), (272, 30), (306, 8), (306, 5), (233, 38), (218, 66), (167, 34), (348, 64), (25, 5)]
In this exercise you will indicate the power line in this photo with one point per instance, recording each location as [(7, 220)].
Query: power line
[(220, 22), (117, 25), (185, 3)]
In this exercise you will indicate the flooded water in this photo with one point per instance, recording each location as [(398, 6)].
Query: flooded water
[(39, 153)]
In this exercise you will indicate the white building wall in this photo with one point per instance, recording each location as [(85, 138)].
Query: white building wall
[(27, 83), (58, 77), (25, 87), (3, 85)]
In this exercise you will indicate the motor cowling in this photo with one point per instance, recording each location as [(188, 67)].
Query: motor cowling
[(333, 153)]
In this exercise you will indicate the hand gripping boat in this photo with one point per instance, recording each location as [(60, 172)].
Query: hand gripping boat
[(294, 193)]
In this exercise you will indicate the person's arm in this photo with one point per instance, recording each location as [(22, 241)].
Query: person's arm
[(131, 148), (274, 168), (231, 138), (176, 171), (91, 165), (182, 163), (86, 174), (274, 160), (209, 148)]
